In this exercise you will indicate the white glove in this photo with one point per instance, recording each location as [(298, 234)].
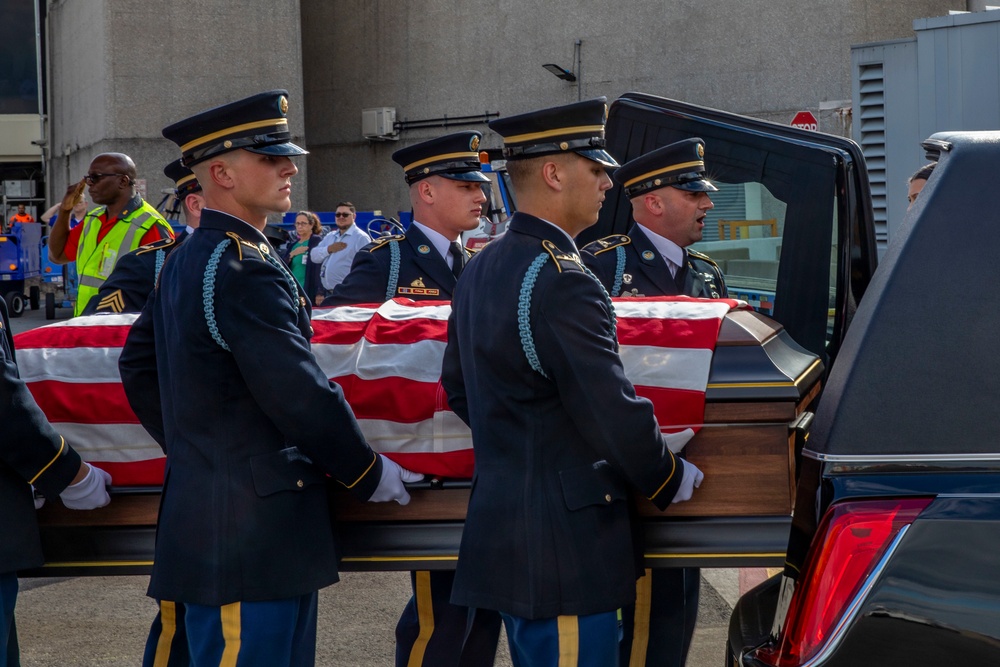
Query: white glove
[(390, 487), (689, 482), (39, 500), (90, 492)]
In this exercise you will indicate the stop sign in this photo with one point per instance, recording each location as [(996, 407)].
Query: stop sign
[(806, 121)]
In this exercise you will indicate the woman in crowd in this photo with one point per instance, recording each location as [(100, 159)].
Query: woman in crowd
[(309, 231)]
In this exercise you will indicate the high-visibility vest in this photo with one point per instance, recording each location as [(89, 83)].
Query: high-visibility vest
[(95, 260)]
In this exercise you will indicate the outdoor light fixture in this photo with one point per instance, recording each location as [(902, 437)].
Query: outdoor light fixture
[(560, 72), (576, 74)]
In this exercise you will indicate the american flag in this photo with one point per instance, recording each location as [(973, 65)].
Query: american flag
[(386, 358)]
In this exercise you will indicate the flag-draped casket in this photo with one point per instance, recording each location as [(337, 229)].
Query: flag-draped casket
[(727, 385)]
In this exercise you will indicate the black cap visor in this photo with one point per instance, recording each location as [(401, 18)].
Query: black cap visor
[(284, 148), (697, 184), (474, 175), (599, 156)]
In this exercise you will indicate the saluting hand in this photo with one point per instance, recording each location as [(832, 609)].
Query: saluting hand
[(390, 486), (689, 482), (73, 194)]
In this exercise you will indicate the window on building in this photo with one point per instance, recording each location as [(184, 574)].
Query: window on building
[(18, 58)]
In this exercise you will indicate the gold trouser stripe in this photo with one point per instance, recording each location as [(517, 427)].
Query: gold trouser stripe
[(569, 640), (62, 446), (425, 618), (640, 634), (168, 627), (230, 617)]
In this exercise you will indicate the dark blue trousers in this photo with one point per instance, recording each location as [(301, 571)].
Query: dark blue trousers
[(275, 633), (657, 629), (564, 641), (432, 632), (10, 654), (166, 645)]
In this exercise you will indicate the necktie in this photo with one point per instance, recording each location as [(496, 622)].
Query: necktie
[(457, 257)]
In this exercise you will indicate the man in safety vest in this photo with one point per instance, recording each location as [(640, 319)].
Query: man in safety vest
[(121, 223)]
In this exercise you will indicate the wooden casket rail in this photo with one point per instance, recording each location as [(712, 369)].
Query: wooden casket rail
[(745, 449)]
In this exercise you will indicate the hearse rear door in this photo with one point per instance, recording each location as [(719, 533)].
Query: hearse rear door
[(792, 228)]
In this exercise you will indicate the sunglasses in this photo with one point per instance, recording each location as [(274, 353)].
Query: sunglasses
[(93, 178), (342, 215)]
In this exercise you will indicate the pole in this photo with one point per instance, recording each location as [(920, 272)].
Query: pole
[(578, 47)]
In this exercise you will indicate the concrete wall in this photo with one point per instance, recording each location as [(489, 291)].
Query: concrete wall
[(435, 58), (120, 71)]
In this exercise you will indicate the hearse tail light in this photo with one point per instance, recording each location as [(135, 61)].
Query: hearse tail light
[(850, 541)]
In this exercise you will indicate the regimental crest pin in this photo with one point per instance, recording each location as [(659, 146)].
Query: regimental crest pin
[(627, 278)]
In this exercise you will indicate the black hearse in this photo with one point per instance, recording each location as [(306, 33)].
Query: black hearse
[(893, 552)]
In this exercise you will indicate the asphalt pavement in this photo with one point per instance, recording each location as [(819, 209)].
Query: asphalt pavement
[(103, 621)]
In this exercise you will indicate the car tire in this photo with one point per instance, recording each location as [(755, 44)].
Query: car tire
[(34, 296), (15, 303), (50, 306)]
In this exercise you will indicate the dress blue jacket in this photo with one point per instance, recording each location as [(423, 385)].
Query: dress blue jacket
[(402, 265), (560, 436), (630, 265), (219, 370), (31, 452)]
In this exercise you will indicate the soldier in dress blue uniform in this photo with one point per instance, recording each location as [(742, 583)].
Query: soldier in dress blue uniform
[(560, 437), (244, 539), (135, 274), (445, 180), (669, 195), (31, 453), (445, 177)]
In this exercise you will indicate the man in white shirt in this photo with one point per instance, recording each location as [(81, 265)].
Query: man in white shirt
[(337, 249)]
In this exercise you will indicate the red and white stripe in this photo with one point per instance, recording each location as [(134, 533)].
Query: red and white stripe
[(388, 362)]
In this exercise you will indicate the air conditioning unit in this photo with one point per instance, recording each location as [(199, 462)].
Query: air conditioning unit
[(378, 124)]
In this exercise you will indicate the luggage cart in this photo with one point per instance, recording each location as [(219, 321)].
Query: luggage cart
[(20, 261)]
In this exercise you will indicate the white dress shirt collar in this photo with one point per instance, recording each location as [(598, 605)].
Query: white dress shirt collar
[(671, 252), (440, 242)]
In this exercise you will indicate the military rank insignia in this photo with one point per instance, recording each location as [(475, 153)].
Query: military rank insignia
[(113, 302)]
